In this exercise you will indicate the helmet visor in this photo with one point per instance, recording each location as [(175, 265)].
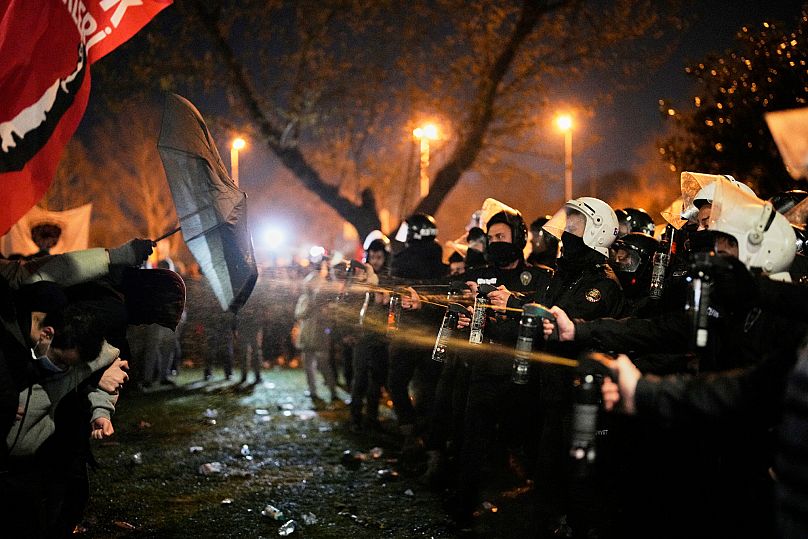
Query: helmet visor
[(491, 207), (567, 219), (460, 245), (623, 259), (692, 183), (401, 235), (798, 214)]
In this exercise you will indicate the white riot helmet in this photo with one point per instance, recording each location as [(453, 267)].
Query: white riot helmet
[(699, 189), (601, 226), (765, 238), (373, 236)]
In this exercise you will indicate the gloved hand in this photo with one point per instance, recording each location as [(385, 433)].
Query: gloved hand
[(132, 253), (371, 278)]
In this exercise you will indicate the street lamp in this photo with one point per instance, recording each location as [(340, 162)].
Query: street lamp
[(238, 144), (564, 124), (424, 134)]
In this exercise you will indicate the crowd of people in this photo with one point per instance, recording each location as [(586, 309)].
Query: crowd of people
[(631, 375), (638, 379)]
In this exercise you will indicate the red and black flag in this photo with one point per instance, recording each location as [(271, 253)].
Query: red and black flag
[(46, 48)]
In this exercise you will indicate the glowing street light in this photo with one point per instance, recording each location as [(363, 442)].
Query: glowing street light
[(424, 134), (564, 124), (238, 144)]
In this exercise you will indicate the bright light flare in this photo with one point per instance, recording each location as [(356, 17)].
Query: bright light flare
[(274, 238), (563, 122), (317, 251), (239, 143)]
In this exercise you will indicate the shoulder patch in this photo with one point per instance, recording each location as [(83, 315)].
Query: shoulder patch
[(593, 295), (525, 277)]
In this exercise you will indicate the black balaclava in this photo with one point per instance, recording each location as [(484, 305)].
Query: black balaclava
[(574, 246), (503, 253)]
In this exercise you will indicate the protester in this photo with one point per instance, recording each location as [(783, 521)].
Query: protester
[(313, 340), (370, 354)]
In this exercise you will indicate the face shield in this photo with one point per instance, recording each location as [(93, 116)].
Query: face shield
[(798, 214), (789, 129), (490, 208), (624, 259), (401, 235), (673, 214), (566, 220), (692, 184), (460, 245)]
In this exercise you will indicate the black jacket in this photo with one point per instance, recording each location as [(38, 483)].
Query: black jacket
[(502, 328), (419, 261), (585, 288)]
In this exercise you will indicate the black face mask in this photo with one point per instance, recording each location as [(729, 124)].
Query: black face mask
[(475, 259), (701, 241), (573, 245), (502, 253)]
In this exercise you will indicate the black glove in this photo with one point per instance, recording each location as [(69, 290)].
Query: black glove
[(132, 253)]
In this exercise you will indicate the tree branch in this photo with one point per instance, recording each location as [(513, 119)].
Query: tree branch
[(364, 216)]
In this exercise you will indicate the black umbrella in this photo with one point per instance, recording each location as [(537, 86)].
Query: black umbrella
[(212, 211)]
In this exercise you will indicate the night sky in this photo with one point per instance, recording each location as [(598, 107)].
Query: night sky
[(617, 136), (634, 116)]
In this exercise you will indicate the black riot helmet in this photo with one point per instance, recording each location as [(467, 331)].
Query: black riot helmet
[(632, 260), (417, 227), (786, 200), (634, 220), (516, 222)]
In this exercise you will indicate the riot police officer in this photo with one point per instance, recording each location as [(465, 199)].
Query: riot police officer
[(721, 471), (587, 286), (493, 402), (632, 261), (420, 261)]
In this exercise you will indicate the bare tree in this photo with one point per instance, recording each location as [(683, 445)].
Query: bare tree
[(131, 194), (327, 84), (70, 187)]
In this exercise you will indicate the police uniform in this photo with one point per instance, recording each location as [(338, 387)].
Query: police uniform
[(584, 287), (493, 400), (420, 261)]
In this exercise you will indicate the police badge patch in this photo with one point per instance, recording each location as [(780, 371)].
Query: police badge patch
[(593, 295), (525, 277)]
